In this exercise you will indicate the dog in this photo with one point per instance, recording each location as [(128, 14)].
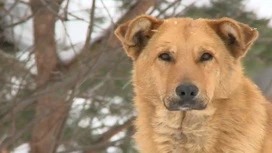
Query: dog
[(191, 94)]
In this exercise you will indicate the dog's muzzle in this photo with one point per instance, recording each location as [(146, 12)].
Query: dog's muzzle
[(186, 98), (179, 105)]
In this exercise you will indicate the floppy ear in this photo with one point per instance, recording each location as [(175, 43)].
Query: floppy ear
[(237, 36), (135, 34)]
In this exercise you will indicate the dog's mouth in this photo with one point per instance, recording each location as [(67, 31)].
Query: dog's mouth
[(179, 105)]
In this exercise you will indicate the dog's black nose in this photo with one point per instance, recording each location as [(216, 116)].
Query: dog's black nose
[(187, 91)]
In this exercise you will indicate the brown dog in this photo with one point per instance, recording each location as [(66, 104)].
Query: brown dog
[(191, 93)]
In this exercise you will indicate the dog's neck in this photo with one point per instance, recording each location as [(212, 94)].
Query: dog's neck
[(189, 128)]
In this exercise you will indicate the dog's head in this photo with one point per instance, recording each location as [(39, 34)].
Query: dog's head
[(183, 63)]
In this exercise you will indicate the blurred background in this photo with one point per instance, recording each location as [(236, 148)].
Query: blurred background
[(65, 80)]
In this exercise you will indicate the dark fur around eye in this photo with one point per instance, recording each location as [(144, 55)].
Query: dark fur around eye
[(206, 57), (165, 57)]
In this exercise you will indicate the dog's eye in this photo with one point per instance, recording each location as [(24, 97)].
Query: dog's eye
[(165, 57), (206, 57)]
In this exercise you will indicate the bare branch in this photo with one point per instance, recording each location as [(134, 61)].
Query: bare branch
[(25, 19), (90, 27)]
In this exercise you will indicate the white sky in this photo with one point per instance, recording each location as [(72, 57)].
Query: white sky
[(262, 7)]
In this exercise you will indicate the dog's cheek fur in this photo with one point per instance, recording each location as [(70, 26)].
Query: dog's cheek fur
[(143, 80), (229, 77)]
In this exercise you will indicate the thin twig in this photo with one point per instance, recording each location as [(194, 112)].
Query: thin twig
[(66, 10), (19, 22), (90, 27), (111, 19)]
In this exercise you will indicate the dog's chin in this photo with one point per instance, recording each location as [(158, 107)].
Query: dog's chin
[(185, 106), (181, 108)]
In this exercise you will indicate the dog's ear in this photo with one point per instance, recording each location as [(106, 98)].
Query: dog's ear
[(237, 36), (135, 34)]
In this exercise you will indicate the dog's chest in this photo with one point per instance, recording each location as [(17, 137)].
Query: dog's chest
[(176, 133)]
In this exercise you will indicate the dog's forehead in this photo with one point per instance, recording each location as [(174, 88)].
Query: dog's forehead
[(182, 29), (187, 23)]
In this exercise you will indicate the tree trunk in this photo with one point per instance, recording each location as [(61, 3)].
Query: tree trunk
[(51, 109)]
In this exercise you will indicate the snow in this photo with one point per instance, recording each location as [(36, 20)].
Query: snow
[(23, 148), (118, 136), (114, 150), (77, 107), (85, 122)]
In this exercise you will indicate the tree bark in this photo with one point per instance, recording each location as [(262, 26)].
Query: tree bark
[(51, 108)]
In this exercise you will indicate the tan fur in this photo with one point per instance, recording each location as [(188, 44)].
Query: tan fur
[(237, 118)]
